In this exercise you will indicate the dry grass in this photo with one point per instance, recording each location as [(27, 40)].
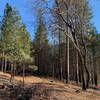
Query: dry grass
[(44, 89)]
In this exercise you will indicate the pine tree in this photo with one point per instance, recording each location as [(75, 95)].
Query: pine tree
[(41, 46), (93, 47), (79, 15), (15, 39), (6, 34)]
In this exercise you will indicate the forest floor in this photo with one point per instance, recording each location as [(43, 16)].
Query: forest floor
[(36, 88)]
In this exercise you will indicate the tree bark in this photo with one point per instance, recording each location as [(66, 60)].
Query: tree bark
[(5, 64), (94, 66), (68, 59), (12, 74), (77, 67), (23, 73), (2, 61)]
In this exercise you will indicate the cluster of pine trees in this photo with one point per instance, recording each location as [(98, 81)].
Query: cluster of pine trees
[(73, 54), (14, 41), (66, 45)]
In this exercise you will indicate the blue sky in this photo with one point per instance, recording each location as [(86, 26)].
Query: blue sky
[(95, 5), (27, 15), (23, 6)]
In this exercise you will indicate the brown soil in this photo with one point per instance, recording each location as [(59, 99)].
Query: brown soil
[(36, 88)]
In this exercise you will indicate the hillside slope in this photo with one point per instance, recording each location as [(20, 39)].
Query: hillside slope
[(36, 88)]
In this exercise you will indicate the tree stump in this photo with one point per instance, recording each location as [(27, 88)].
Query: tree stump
[(2, 86)]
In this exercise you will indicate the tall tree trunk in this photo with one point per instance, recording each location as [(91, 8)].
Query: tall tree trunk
[(23, 73), (2, 61), (37, 62), (53, 71), (59, 57), (68, 59), (77, 67), (12, 74), (5, 64), (83, 74), (53, 60), (94, 66), (2, 64)]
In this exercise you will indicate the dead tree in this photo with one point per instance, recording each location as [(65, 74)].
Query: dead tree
[(74, 39)]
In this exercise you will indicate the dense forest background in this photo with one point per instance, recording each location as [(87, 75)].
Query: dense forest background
[(66, 44)]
